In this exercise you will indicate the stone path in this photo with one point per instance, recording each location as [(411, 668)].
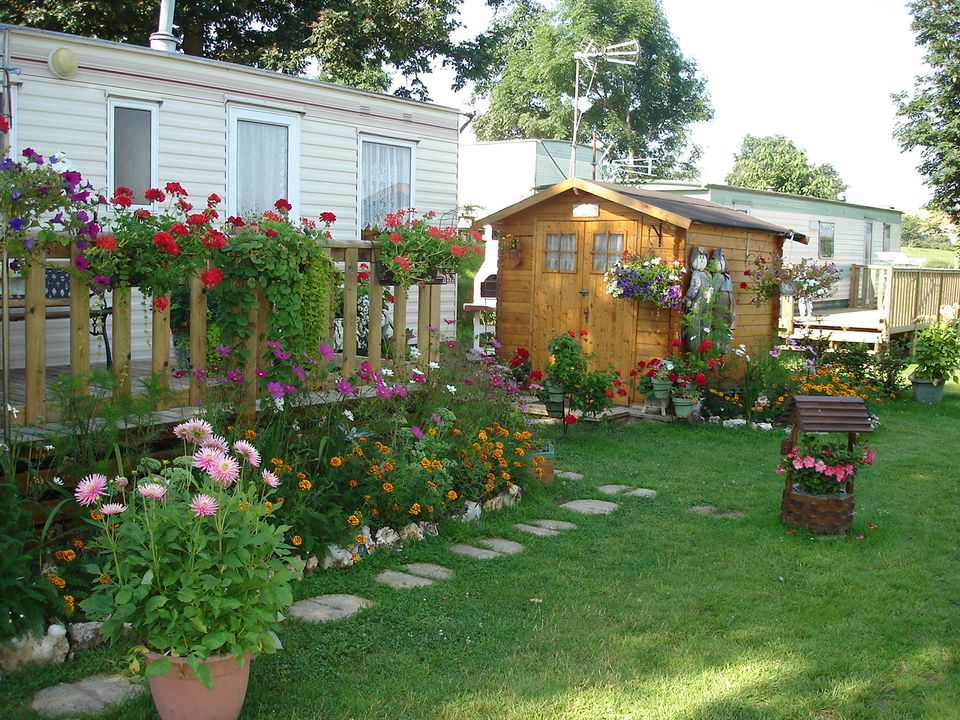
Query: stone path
[(90, 695), (590, 507), (623, 490), (324, 608)]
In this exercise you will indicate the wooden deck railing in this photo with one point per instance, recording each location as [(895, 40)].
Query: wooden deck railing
[(350, 253), (907, 297)]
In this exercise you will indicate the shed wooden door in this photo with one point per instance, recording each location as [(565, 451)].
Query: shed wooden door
[(571, 293)]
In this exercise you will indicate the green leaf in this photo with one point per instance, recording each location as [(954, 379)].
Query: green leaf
[(147, 578), (155, 602), (216, 639), (160, 666)]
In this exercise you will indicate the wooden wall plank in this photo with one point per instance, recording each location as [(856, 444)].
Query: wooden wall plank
[(35, 336)]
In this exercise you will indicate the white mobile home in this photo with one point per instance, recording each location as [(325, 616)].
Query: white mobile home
[(130, 115)]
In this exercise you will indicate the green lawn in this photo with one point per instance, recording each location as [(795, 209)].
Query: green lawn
[(934, 258), (652, 612)]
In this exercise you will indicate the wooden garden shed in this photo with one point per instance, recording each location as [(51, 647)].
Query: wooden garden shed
[(569, 235)]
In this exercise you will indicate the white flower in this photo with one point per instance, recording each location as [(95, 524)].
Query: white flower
[(452, 389), (414, 353), (12, 410), (386, 372), (348, 415), (278, 403), (434, 365), (48, 447), (57, 480)]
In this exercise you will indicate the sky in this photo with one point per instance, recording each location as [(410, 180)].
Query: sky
[(820, 72)]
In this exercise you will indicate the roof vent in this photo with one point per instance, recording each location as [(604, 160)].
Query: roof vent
[(163, 38)]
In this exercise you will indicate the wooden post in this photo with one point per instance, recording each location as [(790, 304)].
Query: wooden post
[(424, 340), (160, 352), (375, 323), (248, 398), (399, 326), (35, 331), (349, 311), (916, 296), (939, 294), (198, 337), (434, 305), (121, 340), (80, 326)]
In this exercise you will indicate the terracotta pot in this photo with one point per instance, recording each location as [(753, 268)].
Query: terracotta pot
[(178, 695)]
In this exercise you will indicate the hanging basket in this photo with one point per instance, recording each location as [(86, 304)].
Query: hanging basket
[(826, 514), (433, 277)]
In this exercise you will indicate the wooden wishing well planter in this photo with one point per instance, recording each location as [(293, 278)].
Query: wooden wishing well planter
[(817, 414)]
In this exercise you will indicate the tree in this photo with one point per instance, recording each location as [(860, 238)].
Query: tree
[(927, 230), (931, 118), (356, 42), (637, 111), (775, 163)]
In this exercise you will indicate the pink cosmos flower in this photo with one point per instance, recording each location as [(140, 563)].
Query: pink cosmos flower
[(203, 505), (798, 463), (113, 508), (195, 431), (225, 470), (868, 456), (152, 491), (205, 457), (809, 461), (218, 442), (248, 452), (270, 478), (820, 466), (90, 488)]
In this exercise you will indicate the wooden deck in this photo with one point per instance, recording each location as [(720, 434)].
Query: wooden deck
[(844, 325)]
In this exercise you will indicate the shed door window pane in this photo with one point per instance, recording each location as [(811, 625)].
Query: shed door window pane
[(868, 243), (386, 181), (825, 243), (607, 249), (262, 165), (561, 251), (886, 237), (131, 149)]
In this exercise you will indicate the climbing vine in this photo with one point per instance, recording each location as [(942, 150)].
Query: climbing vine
[(318, 283)]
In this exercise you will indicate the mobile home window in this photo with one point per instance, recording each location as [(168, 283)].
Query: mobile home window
[(868, 243), (607, 249), (386, 179), (886, 237), (132, 147), (263, 160), (825, 242), (561, 252)]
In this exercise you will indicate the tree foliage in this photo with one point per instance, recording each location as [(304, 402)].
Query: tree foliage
[(637, 111), (927, 230), (356, 42), (775, 163), (930, 120)]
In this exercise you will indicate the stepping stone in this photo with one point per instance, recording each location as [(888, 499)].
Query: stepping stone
[(504, 547), (429, 570), (731, 514), (402, 581), (474, 552), (613, 489), (324, 608), (555, 524), (703, 509), (591, 507), (567, 475), (535, 530), (643, 492), (90, 695)]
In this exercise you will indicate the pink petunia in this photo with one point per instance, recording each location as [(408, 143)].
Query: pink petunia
[(248, 452), (91, 488), (203, 505)]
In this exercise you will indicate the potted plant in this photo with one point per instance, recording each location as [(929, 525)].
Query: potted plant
[(937, 358), (189, 556), (511, 246), (414, 250), (660, 374), (685, 395), (646, 279), (569, 363), (819, 476)]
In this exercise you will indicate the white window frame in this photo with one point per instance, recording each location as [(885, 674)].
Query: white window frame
[(833, 240), (381, 140), (12, 135), (154, 109), (292, 121)]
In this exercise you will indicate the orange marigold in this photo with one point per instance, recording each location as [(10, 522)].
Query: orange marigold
[(353, 520), (336, 461), (451, 495), (297, 540)]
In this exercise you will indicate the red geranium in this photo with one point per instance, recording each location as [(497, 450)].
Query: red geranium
[(235, 221), (328, 217), (282, 204), (179, 229), (271, 233), (675, 342), (535, 376), (106, 242), (213, 199), (184, 205), (165, 243), (457, 250), (212, 277), (704, 346), (569, 420), (4, 125), (154, 195), (197, 219), (700, 379), (214, 239), (160, 303), (141, 214), (395, 237), (175, 188)]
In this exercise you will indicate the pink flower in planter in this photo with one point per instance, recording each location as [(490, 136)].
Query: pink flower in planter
[(91, 488), (203, 505)]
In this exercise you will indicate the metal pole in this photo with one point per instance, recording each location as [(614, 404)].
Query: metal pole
[(576, 121), (7, 102)]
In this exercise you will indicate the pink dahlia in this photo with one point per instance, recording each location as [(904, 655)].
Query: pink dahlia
[(218, 442), (90, 488), (194, 431), (248, 452), (113, 508), (203, 505), (224, 470), (152, 491), (205, 457), (270, 478)]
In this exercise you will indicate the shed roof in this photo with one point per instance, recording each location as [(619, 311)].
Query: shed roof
[(679, 210)]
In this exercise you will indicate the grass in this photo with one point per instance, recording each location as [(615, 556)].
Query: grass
[(652, 612), (934, 258)]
